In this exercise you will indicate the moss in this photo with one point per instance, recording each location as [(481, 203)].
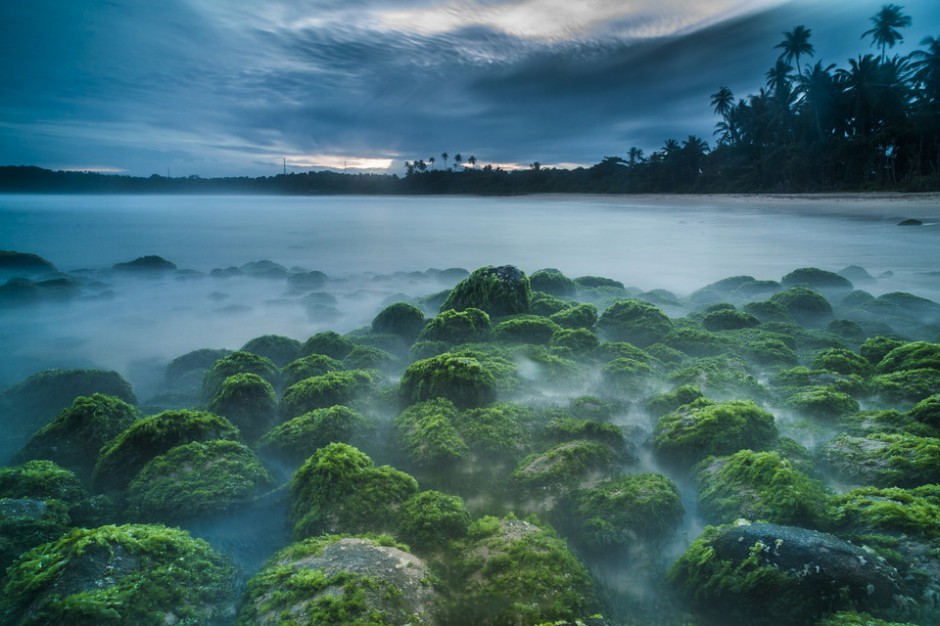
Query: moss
[(725, 319), (457, 327), (634, 321), (696, 341), (817, 279), (594, 408), (525, 329), (884, 460), (823, 403), (337, 581), (545, 304), (553, 282), (426, 433), (669, 401), (195, 361), (627, 509), (28, 522), (705, 428), (927, 411), (300, 437), (128, 575), (400, 319), (842, 361), (309, 366), (238, 363), (564, 466), (885, 421), (854, 618), (627, 376), (574, 341), (279, 349), (564, 429), (462, 379), (328, 343), (719, 377), (769, 311), (906, 387), (891, 510), (370, 358), (800, 378), (911, 356), (120, 460), (847, 330), (503, 290), (319, 392), (874, 349), (248, 401), (583, 315), (516, 572), (197, 479), (430, 521), (339, 489), (610, 350), (759, 486), (499, 432), (74, 437)]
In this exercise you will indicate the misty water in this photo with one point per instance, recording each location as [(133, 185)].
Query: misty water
[(376, 251)]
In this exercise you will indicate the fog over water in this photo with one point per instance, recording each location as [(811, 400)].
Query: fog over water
[(375, 250)]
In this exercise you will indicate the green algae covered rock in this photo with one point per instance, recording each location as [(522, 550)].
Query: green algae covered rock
[(565, 466), (582, 315), (496, 433), (927, 411), (132, 575), (669, 401), (906, 388), (297, 439), (817, 279), (808, 307), (463, 379), (729, 319), (626, 376), (574, 341), (503, 290), (75, 436), (307, 367), (238, 363), (621, 511), (854, 618), (842, 361), (891, 510), (884, 460), (525, 329), (328, 343), (722, 378), (120, 460), (456, 327), (197, 479), (552, 281), (758, 486), (704, 428), (400, 319), (426, 433), (279, 349), (774, 575), (546, 305), (430, 521), (874, 349), (516, 572), (911, 356), (248, 401), (338, 581), (824, 403), (634, 321), (319, 392), (339, 489)]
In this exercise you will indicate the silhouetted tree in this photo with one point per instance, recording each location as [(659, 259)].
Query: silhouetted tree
[(887, 21), (796, 44)]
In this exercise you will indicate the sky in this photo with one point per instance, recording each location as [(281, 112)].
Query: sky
[(238, 88)]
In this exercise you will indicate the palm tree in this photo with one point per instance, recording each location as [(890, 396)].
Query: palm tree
[(432, 161), (778, 77), (444, 156), (635, 155), (795, 44), (885, 33), (458, 159), (926, 66), (472, 161), (819, 98), (722, 101)]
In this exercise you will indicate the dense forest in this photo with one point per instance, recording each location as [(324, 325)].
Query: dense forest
[(872, 124)]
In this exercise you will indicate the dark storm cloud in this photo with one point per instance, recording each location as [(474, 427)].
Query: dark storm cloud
[(213, 89)]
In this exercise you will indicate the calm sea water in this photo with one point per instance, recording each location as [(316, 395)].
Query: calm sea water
[(679, 244)]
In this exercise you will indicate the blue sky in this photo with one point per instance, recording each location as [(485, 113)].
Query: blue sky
[(230, 88)]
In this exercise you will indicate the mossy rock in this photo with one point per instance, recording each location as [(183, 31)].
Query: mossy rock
[(695, 341), (279, 349), (790, 381), (565, 466), (517, 572), (894, 511), (132, 575), (320, 392), (307, 367), (400, 319), (574, 341), (823, 403), (669, 401), (329, 343), (32, 403), (456, 327), (297, 439), (927, 411), (595, 409), (545, 304), (842, 361), (876, 348), (719, 290), (634, 321), (195, 480), (911, 356), (583, 315), (768, 352), (119, 461), (496, 433), (725, 319), (503, 290), (720, 378), (622, 511), (335, 580), (564, 429), (462, 379), (759, 486), (774, 575), (769, 311), (238, 363), (339, 489), (248, 401), (430, 521), (626, 376), (610, 350), (75, 436), (554, 282), (817, 279), (371, 358), (807, 307), (884, 460), (854, 618), (847, 330), (906, 388), (705, 428), (197, 361), (890, 421), (15, 262), (426, 433), (525, 329)]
